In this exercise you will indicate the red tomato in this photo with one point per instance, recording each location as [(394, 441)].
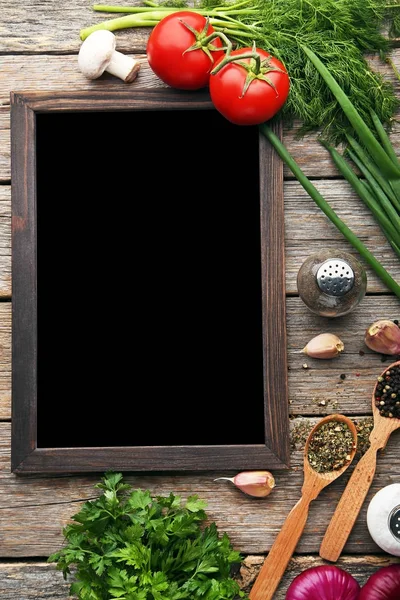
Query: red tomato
[(170, 53), (265, 95)]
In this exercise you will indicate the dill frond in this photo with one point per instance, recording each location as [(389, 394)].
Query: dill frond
[(343, 33)]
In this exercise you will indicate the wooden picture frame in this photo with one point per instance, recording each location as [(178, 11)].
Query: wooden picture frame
[(69, 283)]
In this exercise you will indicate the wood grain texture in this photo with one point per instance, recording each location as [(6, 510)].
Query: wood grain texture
[(38, 45), (35, 508), (306, 228), (315, 386), (36, 580), (27, 456), (287, 539), (356, 490), (58, 73)]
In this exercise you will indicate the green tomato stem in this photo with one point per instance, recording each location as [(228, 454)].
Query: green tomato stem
[(237, 58)]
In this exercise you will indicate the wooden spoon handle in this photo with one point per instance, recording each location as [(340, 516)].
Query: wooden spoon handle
[(281, 552), (349, 506)]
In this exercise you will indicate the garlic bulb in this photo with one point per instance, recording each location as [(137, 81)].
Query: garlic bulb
[(252, 483), (383, 336), (324, 345)]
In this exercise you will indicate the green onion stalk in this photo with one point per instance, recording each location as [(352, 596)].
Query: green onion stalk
[(329, 212), (376, 161), (148, 16)]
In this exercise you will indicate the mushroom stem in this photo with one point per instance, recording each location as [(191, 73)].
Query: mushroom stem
[(98, 54), (122, 66)]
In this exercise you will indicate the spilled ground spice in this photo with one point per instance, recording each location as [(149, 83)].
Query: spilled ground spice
[(330, 447), (364, 427)]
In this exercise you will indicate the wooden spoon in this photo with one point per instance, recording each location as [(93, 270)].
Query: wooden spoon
[(358, 485), (284, 545)]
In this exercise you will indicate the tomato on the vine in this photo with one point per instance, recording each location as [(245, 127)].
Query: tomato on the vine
[(182, 49), (251, 90)]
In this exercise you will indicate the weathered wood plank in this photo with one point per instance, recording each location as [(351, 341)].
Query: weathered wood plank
[(5, 360), (39, 26), (5, 241), (58, 73), (307, 386), (306, 228), (39, 43), (34, 509), (34, 580)]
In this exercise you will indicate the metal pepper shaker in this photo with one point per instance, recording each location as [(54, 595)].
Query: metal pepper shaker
[(332, 282)]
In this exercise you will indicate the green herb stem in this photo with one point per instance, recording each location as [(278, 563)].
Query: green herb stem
[(374, 171), (128, 9), (379, 193), (136, 20), (385, 140), (365, 195), (395, 247), (329, 212), (227, 10), (149, 17), (364, 133)]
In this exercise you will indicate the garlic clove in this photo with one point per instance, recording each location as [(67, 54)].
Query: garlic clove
[(324, 345), (383, 336), (252, 483)]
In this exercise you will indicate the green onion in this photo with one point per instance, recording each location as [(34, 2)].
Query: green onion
[(384, 162), (379, 193), (384, 138), (374, 171), (329, 212), (222, 19), (365, 194)]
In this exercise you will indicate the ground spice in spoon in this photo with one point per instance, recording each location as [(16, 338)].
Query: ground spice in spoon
[(387, 393), (330, 447)]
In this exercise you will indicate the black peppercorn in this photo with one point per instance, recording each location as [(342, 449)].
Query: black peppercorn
[(387, 393)]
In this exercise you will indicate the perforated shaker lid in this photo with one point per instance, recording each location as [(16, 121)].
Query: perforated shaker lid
[(335, 277)]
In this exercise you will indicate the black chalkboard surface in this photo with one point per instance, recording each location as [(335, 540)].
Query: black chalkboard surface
[(148, 286)]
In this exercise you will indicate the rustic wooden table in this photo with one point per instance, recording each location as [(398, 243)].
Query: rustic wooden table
[(39, 43)]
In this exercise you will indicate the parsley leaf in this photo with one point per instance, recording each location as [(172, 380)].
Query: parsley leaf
[(128, 545)]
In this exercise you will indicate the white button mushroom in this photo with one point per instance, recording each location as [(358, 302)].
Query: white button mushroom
[(98, 54), (383, 518)]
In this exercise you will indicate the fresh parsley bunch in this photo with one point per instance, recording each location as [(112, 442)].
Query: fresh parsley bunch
[(130, 546)]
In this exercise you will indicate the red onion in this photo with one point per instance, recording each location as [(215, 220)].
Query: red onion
[(325, 582), (384, 584)]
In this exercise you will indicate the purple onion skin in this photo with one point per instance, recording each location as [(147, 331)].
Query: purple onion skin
[(384, 584), (325, 582)]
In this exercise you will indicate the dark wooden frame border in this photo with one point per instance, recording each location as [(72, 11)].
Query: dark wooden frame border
[(25, 456)]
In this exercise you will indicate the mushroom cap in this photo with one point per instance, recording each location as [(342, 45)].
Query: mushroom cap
[(95, 53)]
